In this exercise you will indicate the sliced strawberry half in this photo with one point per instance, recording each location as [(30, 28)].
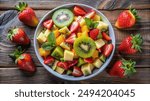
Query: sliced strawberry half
[(94, 33), (88, 60), (77, 72), (72, 63), (48, 60), (74, 26), (90, 14), (79, 11), (63, 65), (107, 49), (105, 36), (71, 38), (48, 24)]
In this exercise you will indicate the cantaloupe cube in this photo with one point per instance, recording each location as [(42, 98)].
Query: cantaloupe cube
[(56, 33), (60, 39), (43, 52), (95, 54), (85, 28)]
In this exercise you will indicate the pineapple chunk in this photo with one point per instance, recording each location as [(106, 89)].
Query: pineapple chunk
[(47, 32), (43, 52), (59, 70), (99, 43), (97, 63), (56, 33), (41, 38), (60, 39), (64, 31), (95, 54), (84, 28), (102, 26), (82, 22), (68, 55), (87, 69), (96, 18), (65, 45)]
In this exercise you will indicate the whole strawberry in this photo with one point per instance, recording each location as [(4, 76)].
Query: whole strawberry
[(131, 44), (122, 68), (127, 19), (27, 14), (18, 36), (23, 60)]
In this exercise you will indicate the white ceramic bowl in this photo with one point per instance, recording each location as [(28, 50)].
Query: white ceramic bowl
[(66, 77)]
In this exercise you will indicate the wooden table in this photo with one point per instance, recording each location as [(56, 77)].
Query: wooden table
[(9, 73)]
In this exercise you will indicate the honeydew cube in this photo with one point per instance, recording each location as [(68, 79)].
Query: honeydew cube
[(99, 43), (41, 38), (47, 32), (64, 30), (55, 65), (102, 26), (59, 70), (68, 55), (65, 45), (97, 63), (87, 69)]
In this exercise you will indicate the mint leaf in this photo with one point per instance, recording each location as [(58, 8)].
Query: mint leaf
[(90, 23), (95, 24), (51, 38), (48, 46)]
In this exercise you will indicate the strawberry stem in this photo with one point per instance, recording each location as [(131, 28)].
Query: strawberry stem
[(21, 6), (134, 12), (136, 42)]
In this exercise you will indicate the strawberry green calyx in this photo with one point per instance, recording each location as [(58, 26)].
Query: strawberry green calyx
[(136, 42), (134, 12), (21, 6), (128, 66), (11, 33)]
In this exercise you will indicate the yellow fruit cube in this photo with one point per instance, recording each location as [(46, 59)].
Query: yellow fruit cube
[(79, 34), (56, 33), (85, 33), (47, 32), (96, 18), (102, 25), (85, 28), (75, 55), (64, 31), (41, 38), (95, 54), (82, 22), (59, 70), (60, 39), (54, 27), (43, 52)]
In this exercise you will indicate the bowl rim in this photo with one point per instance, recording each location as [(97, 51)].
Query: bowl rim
[(71, 78)]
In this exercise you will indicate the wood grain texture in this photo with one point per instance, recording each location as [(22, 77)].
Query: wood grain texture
[(9, 73)]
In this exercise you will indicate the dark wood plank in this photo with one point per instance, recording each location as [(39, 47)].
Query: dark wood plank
[(12, 75), (100, 4)]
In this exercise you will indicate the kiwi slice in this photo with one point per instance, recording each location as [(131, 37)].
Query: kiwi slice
[(63, 17), (84, 46)]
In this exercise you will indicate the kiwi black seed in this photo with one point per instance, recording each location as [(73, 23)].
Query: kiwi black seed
[(84, 46), (63, 17)]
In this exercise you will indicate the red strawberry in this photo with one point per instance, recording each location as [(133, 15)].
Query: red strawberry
[(23, 60), (71, 38), (27, 14), (107, 49), (88, 60), (72, 63), (90, 14), (77, 72), (105, 36), (48, 24), (18, 36), (127, 19), (131, 44), (122, 68), (74, 26), (63, 65), (94, 33), (48, 60), (79, 11)]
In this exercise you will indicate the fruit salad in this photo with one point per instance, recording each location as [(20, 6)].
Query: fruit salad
[(74, 41)]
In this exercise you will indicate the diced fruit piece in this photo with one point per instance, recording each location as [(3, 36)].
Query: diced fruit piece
[(85, 33), (58, 52), (72, 63), (78, 18), (80, 62), (99, 36), (95, 54), (85, 28), (63, 65), (88, 60), (82, 22), (79, 11), (102, 58), (48, 24), (87, 69), (90, 14), (56, 33), (69, 72), (60, 39), (68, 55), (102, 26), (74, 26), (97, 63), (63, 17), (84, 47), (49, 60), (55, 65), (107, 49), (99, 43), (77, 72), (41, 38), (105, 36), (64, 31), (47, 32), (75, 55), (43, 52), (59, 70), (54, 27), (94, 33), (79, 34), (65, 45), (71, 38), (96, 17)]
